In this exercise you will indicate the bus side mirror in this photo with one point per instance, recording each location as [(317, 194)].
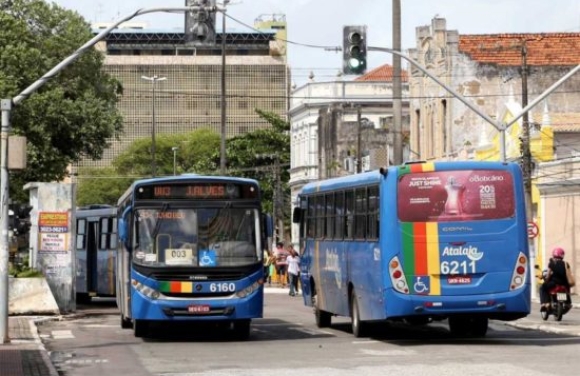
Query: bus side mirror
[(123, 230), (297, 215), (268, 224)]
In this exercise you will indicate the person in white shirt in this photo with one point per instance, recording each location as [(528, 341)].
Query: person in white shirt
[(293, 261)]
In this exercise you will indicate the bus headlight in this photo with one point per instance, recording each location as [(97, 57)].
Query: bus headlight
[(248, 290), (145, 290)]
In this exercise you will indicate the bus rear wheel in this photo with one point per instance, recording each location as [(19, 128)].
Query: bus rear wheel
[(323, 318), (359, 328)]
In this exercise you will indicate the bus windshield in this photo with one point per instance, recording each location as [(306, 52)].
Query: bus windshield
[(443, 196), (196, 237)]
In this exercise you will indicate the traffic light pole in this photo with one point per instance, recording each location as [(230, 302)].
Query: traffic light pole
[(6, 108)]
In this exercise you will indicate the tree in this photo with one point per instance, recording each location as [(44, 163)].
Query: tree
[(101, 186), (106, 185), (71, 116), (261, 155)]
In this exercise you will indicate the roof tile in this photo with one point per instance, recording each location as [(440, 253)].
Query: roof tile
[(545, 49)]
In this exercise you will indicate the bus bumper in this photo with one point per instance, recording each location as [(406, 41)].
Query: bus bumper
[(229, 309), (503, 306)]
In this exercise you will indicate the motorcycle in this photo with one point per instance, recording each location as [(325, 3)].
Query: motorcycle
[(559, 304)]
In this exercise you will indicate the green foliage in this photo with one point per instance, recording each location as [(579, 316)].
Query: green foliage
[(101, 186), (106, 185), (22, 270), (74, 113)]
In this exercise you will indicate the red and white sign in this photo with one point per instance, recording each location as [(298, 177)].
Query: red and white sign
[(533, 230)]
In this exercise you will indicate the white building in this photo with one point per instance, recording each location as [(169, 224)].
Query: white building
[(327, 138)]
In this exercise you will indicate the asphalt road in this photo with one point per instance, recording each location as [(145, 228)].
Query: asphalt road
[(287, 342)]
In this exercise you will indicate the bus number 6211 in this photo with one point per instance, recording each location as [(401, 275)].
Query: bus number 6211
[(456, 267)]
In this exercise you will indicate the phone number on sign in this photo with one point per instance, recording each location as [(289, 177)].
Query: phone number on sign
[(53, 229)]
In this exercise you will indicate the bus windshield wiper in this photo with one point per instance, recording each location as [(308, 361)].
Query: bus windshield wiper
[(158, 226)]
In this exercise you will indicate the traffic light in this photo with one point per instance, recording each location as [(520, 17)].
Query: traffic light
[(200, 23), (354, 50), (19, 220)]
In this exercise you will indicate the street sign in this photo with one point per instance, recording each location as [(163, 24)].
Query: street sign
[(533, 230)]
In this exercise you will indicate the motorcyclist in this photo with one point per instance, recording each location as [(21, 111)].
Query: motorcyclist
[(555, 276)]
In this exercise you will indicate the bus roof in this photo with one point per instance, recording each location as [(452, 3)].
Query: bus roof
[(370, 177)]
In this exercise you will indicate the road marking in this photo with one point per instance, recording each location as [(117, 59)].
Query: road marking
[(62, 334), (85, 361)]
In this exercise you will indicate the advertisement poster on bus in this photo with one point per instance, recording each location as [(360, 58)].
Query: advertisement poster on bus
[(441, 196)]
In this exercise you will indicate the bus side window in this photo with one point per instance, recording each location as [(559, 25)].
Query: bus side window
[(81, 231), (349, 198)]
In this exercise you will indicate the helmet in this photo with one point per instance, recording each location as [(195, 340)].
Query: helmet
[(558, 252)]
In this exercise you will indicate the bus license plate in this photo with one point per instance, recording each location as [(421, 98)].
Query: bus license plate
[(561, 296), (198, 309)]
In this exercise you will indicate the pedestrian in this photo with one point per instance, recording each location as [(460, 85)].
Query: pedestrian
[(269, 259), (293, 270), (281, 265)]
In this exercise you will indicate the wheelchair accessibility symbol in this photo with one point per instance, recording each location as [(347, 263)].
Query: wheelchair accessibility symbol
[(207, 258), (421, 285)]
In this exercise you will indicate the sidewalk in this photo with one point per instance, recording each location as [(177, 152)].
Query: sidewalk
[(25, 354)]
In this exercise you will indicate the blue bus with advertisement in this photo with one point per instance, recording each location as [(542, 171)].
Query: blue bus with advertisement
[(191, 249), (416, 243), (95, 252)]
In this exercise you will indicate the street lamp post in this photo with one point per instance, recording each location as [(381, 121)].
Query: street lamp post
[(154, 80), (174, 149)]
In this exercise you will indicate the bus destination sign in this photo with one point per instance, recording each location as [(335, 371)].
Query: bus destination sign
[(195, 191)]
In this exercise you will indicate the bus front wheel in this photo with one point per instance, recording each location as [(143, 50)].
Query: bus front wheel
[(358, 327), (242, 329), (139, 328), (125, 322)]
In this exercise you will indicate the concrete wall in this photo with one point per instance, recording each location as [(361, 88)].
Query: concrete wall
[(30, 296), (51, 240)]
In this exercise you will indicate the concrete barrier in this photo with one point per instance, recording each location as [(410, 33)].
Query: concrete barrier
[(30, 296)]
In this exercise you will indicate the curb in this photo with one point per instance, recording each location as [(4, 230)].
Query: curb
[(44, 353)]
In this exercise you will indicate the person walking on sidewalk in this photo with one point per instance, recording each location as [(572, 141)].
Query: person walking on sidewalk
[(293, 270)]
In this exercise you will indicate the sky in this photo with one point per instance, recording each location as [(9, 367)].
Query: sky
[(320, 22)]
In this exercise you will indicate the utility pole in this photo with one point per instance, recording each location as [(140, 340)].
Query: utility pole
[(397, 87), (277, 202), (154, 80), (358, 140), (223, 101), (525, 140)]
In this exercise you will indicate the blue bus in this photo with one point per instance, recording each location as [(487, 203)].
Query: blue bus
[(95, 252), (191, 249), (416, 243)]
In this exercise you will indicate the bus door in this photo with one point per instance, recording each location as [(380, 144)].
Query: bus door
[(460, 232)]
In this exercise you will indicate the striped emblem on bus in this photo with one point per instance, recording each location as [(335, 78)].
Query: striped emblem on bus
[(179, 287), (421, 257), (417, 167)]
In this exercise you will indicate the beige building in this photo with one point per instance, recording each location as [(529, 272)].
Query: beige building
[(190, 96), (487, 69)]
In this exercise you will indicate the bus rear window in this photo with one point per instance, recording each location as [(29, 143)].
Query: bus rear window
[(442, 196)]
